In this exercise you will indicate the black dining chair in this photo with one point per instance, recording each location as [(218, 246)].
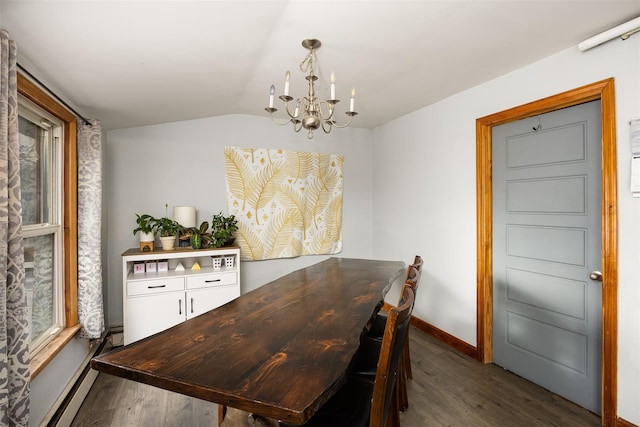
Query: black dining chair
[(364, 362), (377, 328), (371, 402)]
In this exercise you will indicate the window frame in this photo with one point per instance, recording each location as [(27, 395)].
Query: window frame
[(49, 221), (31, 91)]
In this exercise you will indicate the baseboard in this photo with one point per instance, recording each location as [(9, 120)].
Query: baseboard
[(441, 335), (73, 406), (624, 423), (66, 407), (445, 337)]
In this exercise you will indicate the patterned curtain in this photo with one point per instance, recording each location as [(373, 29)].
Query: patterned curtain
[(90, 304), (14, 327)]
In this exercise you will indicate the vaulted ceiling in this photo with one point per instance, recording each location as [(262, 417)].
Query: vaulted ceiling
[(134, 63)]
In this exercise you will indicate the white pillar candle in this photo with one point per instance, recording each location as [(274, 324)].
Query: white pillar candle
[(352, 104), (185, 215), (287, 77), (333, 86), (272, 91)]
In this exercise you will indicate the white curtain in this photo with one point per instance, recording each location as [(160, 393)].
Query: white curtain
[(90, 304), (14, 327)]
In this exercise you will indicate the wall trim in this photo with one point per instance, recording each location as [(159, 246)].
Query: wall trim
[(445, 337), (439, 334), (604, 91), (624, 423), (66, 406)]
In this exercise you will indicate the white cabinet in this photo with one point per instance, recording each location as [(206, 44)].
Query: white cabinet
[(156, 300)]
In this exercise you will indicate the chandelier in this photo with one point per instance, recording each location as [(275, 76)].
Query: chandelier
[(309, 112)]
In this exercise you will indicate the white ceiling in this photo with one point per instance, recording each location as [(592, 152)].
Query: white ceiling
[(134, 63)]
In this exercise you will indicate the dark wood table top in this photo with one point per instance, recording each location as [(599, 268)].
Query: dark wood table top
[(280, 351)]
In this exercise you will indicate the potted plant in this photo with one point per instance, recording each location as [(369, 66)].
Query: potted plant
[(223, 229), (167, 230), (146, 228), (200, 236)]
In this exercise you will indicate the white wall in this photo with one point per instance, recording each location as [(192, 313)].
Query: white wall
[(182, 163), (431, 153), (51, 382)]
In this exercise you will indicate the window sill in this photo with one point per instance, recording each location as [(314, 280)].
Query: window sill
[(42, 358)]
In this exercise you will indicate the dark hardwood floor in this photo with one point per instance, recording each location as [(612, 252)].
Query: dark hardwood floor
[(448, 389)]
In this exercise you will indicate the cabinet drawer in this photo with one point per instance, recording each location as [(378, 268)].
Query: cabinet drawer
[(146, 287), (214, 279)]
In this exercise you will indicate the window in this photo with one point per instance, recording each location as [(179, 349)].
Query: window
[(47, 139), (40, 141)]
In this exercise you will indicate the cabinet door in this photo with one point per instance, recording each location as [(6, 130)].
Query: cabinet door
[(202, 300), (147, 315)]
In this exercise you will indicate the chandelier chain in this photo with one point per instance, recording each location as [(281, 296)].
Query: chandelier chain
[(307, 64)]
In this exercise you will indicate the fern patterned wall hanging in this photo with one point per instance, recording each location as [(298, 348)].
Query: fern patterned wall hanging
[(287, 203)]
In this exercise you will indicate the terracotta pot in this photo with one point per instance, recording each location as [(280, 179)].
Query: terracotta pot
[(168, 242)]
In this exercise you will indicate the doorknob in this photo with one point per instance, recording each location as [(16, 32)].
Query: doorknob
[(596, 275)]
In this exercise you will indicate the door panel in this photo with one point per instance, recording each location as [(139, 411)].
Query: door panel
[(546, 241)]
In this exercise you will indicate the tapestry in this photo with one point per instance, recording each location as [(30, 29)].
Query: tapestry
[(287, 203)]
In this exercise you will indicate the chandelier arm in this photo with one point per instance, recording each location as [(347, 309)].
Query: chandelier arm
[(274, 120), (330, 126), (348, 113), (329, 105), (286, 100)]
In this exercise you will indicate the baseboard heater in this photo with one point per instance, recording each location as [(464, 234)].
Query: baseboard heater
[(66, 407)]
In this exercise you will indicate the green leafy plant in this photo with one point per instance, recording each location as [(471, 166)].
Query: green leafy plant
[(223, 229), (146, 224), (200, 236), (166, 226)]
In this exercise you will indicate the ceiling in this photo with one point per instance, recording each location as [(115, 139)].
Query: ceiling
[(135, 63)]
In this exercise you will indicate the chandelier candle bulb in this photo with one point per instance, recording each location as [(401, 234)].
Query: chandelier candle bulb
[(297, 111), (333, 86), (271, 93), (287, 77), (352, 104)]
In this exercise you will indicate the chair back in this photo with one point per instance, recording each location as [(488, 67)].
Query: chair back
[(413, 278), (395, 332), (418, 262)]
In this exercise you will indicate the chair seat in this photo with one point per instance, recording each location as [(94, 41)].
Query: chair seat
[(376, 331), (365, 361), (349, 407)]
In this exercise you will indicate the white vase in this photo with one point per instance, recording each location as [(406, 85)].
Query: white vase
[(147, 241), (146, 237), (168, 242)]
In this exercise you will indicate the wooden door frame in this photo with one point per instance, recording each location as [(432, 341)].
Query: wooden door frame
[(604, 91)]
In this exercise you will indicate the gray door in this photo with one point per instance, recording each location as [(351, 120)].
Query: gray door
[(547, 310)]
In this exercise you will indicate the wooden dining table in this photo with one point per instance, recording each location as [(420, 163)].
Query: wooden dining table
[(279, 351)]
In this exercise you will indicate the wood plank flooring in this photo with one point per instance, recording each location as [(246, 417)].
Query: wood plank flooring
[(448, 389)]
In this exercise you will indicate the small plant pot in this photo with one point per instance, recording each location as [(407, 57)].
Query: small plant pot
[(228, 261), (146, 241), (168, 242), (216, 262), (146, 237)]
